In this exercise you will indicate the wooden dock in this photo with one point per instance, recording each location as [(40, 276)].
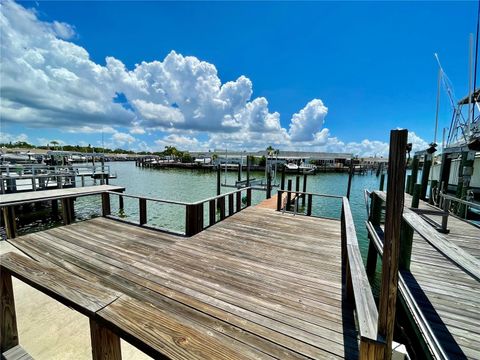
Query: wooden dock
[(443, 280), (259, 284)]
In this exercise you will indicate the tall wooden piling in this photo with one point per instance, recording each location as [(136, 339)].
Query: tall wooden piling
[(433, 192), (350, 175), (391, 246), (282, 183), (427, 163), (219, 175), (248, 170), (415, 162), (269, 184), (382, 181), (289, 194), (375, 218), (8, 325), (304, 188)]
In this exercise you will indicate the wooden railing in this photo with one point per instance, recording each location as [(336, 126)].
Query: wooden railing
[(291, 201), (194, 212), (358, 289)]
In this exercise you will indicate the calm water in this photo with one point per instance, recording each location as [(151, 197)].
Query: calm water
[(188, 186)]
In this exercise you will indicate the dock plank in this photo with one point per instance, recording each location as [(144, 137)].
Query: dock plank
[(260, 284)]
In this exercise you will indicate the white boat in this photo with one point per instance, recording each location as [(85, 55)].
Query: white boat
[(291, 166)]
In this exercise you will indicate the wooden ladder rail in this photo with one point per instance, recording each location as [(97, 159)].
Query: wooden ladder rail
[(68, 289)]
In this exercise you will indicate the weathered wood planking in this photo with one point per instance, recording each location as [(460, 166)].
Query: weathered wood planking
[(256, 285), (44, 195)]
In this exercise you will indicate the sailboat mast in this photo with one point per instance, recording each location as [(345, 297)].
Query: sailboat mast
[(438, 105), (470, 92)]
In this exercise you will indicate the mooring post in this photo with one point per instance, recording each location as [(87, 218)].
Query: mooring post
[(304, 188), (219, 175), (106, 204), (414, 174), (105, 343), (427, 163), (409, 182), (289, 194), (279, 200), (416, 195), (120, 203), (248, 170), (142, 211), (8, 325), (382, 181), (391, 246), (375, 218), (433, 192), (282, 183), (55, 209), (239, 174), (350, 175), (269, 185), (297, 184), (249, 197)]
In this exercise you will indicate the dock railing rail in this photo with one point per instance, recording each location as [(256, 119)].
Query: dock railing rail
[(195, 212), (452, 204), (33, 177)]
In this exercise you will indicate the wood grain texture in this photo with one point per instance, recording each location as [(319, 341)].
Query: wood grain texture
[(105, 344), (260, 284), (16, 353), (8, 322), (45, 195)]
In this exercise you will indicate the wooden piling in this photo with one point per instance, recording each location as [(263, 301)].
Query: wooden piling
[(282, 183), (239, 173), (55, 209), (304, 188), (219, 175), (391, 246), (289, 194), (248, 170), (382, 181), (375, 218), (309, 204), (427, 163), (142, 211), (417, 188), (106, 204), (8, 323), (269, 185), (350, 175), (121, 205), (409, 183), (415, 162)]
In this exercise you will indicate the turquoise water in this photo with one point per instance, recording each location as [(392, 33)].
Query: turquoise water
[(194, 185)]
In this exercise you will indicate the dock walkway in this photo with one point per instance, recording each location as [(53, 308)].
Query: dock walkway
[(447, 294), (260, 284)]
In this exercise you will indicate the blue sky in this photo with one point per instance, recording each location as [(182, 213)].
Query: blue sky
[(369, 65)]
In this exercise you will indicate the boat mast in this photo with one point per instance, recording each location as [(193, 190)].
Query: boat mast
[(470, 91), (438, 105)]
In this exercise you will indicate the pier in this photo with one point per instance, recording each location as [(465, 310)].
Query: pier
[(242, 282)]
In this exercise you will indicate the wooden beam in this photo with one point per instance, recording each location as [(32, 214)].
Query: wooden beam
[(10, 222), (105, 344), (142, 208), (391, 247), (106, 204), (8, 323)]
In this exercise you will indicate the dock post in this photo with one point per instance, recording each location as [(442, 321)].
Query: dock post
[(309, 205), (433, 192), (55, 209), (249, 197), (414, 174), (279, 200), (142, 210), (416, 195), (8, 325), (427, 163), (67, 211), (445, 171), (304, 188), (248, 170), (289, 194), (239, 175), (230, 205), (350, 175), (409, 182), (375, 218), (382, 181), (121, 206), (391, 247), (297, 184), (218, 179), (282, 183), (269, 185), (106, 204), (10, 221)]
